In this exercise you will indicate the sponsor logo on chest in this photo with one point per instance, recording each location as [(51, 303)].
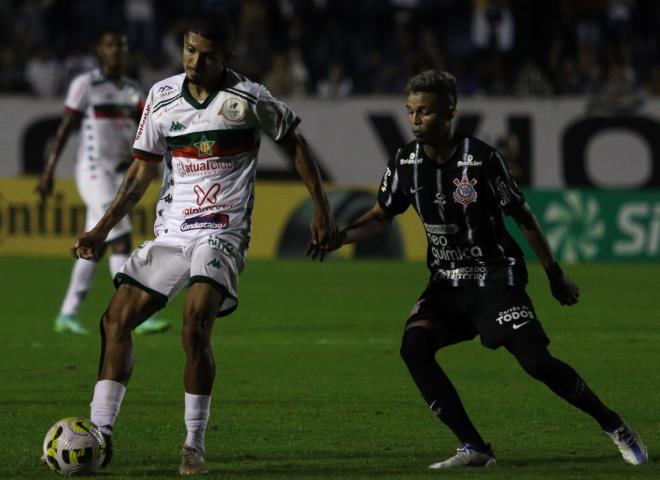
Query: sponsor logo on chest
[(202, 167)]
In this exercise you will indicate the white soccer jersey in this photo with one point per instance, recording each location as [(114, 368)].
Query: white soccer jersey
[(110, 111), (209, 184)]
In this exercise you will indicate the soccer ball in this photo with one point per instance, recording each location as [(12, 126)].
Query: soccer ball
[(74, 446)]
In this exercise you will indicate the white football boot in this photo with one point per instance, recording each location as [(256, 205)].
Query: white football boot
[(629, 444), (468, 456)]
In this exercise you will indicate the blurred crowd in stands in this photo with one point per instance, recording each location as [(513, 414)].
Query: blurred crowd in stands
[(338, 48)]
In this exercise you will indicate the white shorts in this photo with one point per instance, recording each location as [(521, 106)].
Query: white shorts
[(163, 269), (97, 189)]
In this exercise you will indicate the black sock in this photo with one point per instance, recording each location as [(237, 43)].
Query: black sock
[(418, 352), (563, 380)]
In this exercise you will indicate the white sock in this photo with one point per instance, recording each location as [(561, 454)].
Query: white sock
[(81, 279), (197, 410), (105, 405), (116, 261)]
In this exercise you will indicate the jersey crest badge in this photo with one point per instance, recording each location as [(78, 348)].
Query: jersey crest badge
[(204, 147), (465, 192), (234, 109)]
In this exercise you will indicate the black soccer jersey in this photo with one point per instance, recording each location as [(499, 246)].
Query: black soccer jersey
[(460, 204)]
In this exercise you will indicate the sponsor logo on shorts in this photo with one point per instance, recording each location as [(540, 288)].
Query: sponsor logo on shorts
[(465, 192), (197, 168), (477, 272), (215, 263), (221, 245), (212, 221), (441, 229), (520, 315)]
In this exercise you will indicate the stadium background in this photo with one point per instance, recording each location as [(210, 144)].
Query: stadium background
[(566, 89)]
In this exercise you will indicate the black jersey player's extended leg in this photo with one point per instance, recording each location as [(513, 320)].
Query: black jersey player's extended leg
[(418, 349), (534, 357)]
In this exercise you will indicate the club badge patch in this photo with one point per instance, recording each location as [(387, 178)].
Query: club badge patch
[(465, 192), (234, 109)]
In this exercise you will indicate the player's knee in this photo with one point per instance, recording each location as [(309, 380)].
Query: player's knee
[(196, 332), (114, 325), (536, 364), (417, 346)]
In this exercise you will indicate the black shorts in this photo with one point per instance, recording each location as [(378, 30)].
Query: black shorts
[(498, 313)]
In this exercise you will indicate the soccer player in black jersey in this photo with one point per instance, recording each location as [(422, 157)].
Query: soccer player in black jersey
[(460, 186)]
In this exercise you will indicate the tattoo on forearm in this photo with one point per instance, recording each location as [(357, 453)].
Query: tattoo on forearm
[(128, 195)]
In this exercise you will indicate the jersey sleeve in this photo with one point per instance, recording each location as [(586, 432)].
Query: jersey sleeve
[(504, 187), (391, 195), (275, 118), (77, 97), (150, 144)]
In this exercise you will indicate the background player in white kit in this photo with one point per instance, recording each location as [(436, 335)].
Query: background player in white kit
[(209, 119), (108, 105)]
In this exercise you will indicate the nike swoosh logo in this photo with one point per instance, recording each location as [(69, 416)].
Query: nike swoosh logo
[(415, 190), (516, 326)]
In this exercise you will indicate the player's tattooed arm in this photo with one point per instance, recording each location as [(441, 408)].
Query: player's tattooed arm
[(563, 289), (323, 228), (136, 181)]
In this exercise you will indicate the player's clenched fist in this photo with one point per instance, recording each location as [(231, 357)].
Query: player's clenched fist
[(88, 246)]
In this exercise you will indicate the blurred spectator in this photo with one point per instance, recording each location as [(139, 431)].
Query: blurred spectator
[(509, 146), (562, 47), (336, 84), (141, 25), (279, 80), (532, 82), (43, 73)]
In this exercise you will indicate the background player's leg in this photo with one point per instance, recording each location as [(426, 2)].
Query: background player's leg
[(79, 283), (562, 379), (418, 349), (120, 249), (535, 358), (202, 303)]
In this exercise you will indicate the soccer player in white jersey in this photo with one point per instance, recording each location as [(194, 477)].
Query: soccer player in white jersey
[(107, 107), (209, 121)]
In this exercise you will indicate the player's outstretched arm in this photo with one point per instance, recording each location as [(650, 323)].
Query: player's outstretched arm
[(69, 121), (323, 228), (563, 289), (136, 181), (370, 224)]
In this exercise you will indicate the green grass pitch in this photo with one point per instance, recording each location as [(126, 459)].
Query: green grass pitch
[(310, 384)]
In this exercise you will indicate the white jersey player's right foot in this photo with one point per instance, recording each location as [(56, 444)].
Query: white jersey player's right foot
[(468, 456), (192, 462)]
